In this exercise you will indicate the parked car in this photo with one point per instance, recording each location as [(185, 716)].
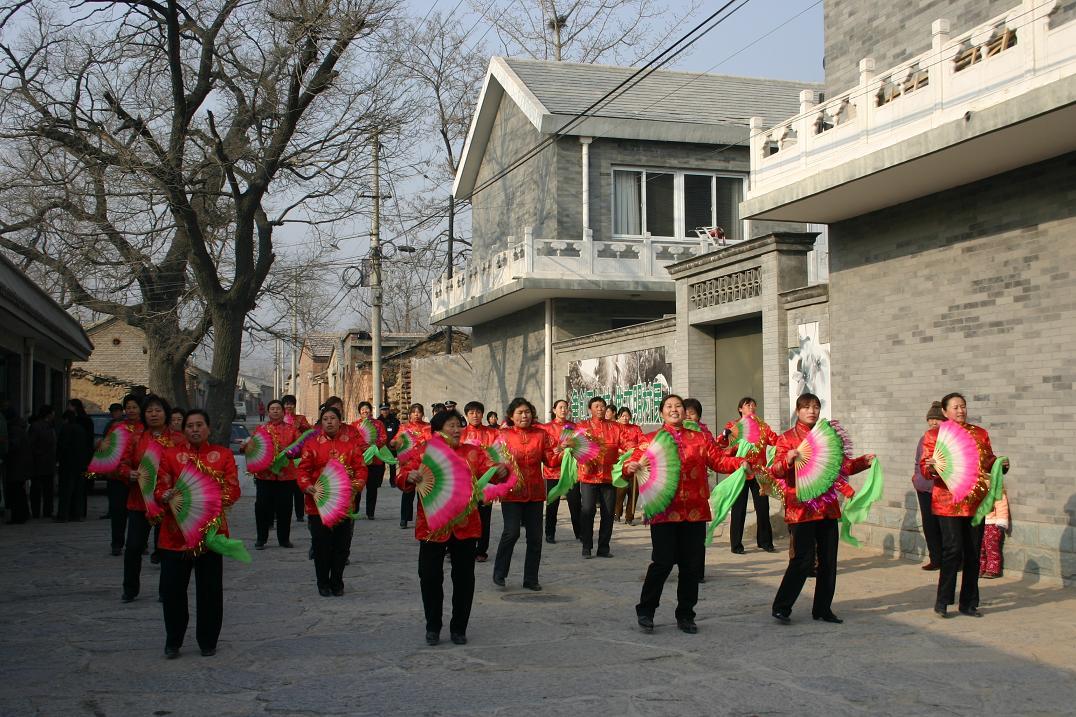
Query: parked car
[(240, 411), (239, 434)]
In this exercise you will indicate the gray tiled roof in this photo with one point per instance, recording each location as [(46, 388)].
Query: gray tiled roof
[(667, 96), (320, 345)]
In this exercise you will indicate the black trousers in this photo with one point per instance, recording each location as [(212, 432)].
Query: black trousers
[(431, 576), (117, 511), (961, 542), (375, 476), (574, 502), (331, 549), (70, 492), (485, 512), (931, 527), (299, 499), (273, 502), (15, 498), (528, 515), (591, 496), (137, 540), (41, 495), (808, 539), (679, 544), (208, 568), (763, 530), (407, 505), (551, 510)]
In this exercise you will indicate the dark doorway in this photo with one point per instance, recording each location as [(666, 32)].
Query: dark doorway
[(738, 370)]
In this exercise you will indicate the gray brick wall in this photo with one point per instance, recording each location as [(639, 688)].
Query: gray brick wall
[(970, 290)]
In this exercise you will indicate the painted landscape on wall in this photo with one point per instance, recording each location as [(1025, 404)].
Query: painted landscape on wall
[(636, 379)]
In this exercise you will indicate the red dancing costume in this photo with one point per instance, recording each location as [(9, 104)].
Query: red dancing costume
[(530, 447), (118, 484), (626, 497), (274, 491), (596, 482), (759, 493), (419, 432)]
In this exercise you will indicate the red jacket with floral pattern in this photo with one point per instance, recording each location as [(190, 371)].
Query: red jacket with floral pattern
[(826, 506), (471, 525), (215, 461), (166, 438), (941, 500), (420, 432), (382, 436), (613, 441), (554, 428), (345, 447), (479, 435), (757, 459), (691, 504), (530, 447), (283, 435)]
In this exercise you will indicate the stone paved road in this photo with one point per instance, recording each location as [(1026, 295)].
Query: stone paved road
[(69, 647)]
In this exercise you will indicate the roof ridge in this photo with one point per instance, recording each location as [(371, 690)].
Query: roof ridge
[(689, 73)]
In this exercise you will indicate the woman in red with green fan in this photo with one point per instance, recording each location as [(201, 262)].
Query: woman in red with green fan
[(375, 470), (738, 516), (417, 431), (678, 533), (275, 491), (478, 434), (812, 525), (331, 544), (119, 482), (626, 497), (177, 560), (961, 541), (555, 428)]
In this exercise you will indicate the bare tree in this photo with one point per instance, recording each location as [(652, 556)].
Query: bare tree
[(204, 127), (619, 31)]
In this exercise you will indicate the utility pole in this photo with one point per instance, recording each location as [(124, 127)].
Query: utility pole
[(375, 280), (295, 337), (451, 231)]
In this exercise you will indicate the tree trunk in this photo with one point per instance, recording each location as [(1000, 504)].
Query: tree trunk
[(167, 365), (227, 349)]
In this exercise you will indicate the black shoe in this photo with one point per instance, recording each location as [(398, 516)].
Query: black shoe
[(687, 625), (259, 545), (828, 617), (287, 545), (769, 548), (127, 598), (812, 573), (616, 518), (702, 579), (432, 638), (403, 524), (941, 611), (971, 612), (155, 557), (586, 554), (550, 539), (605, 555), (310, 553), (782, 617), (630, 521), (337, 592), (646, 623), (738, 550), (458, 638), (325, 592), (106, 516), (171, 652), (347, 561), (481, 558), (209, 651), (533, 586), (300, 519), (498, 581), (370, 517), (117, 552)]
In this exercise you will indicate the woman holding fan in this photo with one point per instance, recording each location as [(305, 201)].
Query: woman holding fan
[(179, 558), (275, 488), (118, 481), (478, 434), (142, 464), (555, 428), (331, 471), (630, 494), (750, 423), (375, 469), (458, 536), (680, 509), (408, 444), (812, 523), (957, 506)]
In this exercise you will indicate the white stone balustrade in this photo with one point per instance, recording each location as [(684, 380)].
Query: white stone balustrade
[(1012, 54)]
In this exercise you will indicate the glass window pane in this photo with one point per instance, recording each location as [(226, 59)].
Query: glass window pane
[(729, 196), (659, 204), (627, 203), (698, 209)]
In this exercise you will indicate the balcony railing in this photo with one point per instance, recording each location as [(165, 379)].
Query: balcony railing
[(1012, 54), (569, 260)]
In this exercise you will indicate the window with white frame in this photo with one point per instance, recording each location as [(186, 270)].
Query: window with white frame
[(672, 204)]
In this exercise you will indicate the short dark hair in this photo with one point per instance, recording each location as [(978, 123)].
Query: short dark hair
[(949, 397), (175, 410), (329, 409), (517, 402), (131, 397), (271, 402), (474, 406), (196, 412), (438, 422), (154, 399), (80, 410), (692, 404), (670, 397), (367, 404), (333, 400), (744, 401), (806, 399), (413, 406), (622, 411), (492, 414), (288, 398), (595, 399), (115, 407)]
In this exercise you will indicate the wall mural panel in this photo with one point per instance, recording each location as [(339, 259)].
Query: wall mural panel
[(809, 370), (637, 379)]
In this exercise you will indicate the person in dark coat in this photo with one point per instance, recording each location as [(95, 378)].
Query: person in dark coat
[(81, 488), (42, 437), (74, 451), (17, 468)]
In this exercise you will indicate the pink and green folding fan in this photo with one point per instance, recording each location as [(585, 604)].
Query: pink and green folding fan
[(109, 454), (747, 429), (821, 457), (333, 494), (446, 485), (575, 447), (500, 456), (148, 468), (406, 445), (658, 474), (367, 431), (956, 459), (295, 449), (259, 451), (196, 503)]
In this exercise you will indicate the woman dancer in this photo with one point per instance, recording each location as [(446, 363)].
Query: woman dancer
[(419, 432), (961, 541), (812, 526), (273, 501), (763, 530), (301, 425), (478, 435), (155, 411), (375, 470), (177, 561), (626, 497), (554, 428), (530, 447), (924, 486), (678, 533), (331, 544), (458, 540), (118, 481)]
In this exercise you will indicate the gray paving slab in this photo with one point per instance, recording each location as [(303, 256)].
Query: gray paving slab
[(69, 647)]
